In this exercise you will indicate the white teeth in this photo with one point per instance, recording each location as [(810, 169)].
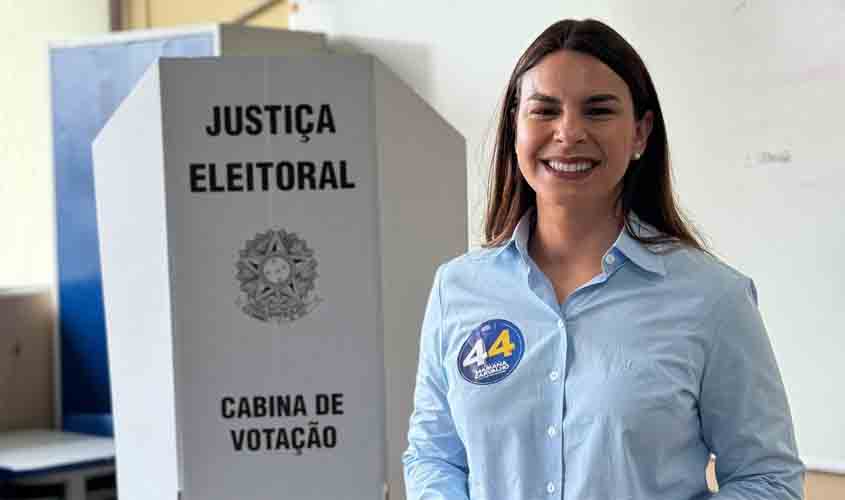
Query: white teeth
[(569, 167)]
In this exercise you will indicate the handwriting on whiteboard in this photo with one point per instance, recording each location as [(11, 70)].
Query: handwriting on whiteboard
[(768, 158)]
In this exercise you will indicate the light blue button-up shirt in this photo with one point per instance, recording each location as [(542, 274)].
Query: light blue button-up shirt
[(620, 393)]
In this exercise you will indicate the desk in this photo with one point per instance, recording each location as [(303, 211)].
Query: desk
[(40, 457)]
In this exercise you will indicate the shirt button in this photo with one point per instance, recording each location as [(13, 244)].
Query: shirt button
[(560, 324), (552, 431), (610, 259), (550, 487), (554, 375)]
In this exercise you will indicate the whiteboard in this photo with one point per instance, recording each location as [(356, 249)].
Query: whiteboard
[(752, 93), (755, 117)]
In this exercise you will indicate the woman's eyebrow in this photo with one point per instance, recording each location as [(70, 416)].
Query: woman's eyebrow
[(593, 99), (601, 98), (536, 96)]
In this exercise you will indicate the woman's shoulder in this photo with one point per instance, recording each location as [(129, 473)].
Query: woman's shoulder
[(685, 262), (475, 258), (707, 271), (471, 266)]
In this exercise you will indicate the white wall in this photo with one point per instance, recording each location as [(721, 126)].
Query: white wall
[(738, 79), (27, 255)]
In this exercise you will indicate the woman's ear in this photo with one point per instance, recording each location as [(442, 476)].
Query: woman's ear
[(642, 130)]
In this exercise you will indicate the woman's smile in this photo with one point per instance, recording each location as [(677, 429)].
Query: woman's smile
[(573, 169)]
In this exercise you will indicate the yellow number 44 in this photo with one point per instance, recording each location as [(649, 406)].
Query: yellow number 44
[(502, 345)]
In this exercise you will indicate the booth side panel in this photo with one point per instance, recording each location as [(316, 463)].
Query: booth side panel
[(129, 180), (87, 84), (422, 171)]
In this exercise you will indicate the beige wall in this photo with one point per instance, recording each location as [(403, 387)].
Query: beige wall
[(160, 13), (817, 485), (26, 190), (820, 486), (26, 359)]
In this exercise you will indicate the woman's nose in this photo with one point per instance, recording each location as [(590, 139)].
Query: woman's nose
[(570, 129)]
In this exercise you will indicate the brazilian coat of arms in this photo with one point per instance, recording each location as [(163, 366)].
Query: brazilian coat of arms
[(277, 273)]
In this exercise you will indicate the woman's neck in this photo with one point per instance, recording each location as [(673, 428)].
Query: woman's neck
[(573, 237)]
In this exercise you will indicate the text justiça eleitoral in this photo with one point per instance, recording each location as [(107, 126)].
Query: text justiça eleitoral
[(302, 120)]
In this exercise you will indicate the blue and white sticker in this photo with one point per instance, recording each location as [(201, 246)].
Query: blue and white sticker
[(491, 352)]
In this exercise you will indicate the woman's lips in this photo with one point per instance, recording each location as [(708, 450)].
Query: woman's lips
[(570, 169)]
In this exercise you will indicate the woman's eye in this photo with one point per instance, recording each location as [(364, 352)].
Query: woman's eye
[(599, 111), (545, 111)]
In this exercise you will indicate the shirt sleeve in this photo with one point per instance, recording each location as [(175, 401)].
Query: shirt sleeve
[(435, 461), (745, 416)]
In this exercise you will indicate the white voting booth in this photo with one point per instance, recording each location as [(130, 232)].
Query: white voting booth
[(269, 228)]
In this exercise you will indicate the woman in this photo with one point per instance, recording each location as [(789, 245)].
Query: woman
[(593, 349)]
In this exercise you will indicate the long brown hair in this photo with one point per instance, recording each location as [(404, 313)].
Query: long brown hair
[(647, 184)]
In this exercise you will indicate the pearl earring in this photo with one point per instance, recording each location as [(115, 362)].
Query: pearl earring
[(637, 155)]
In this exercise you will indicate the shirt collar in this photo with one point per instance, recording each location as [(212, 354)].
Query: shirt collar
[(635, 251), (644, 256), (521, 233)]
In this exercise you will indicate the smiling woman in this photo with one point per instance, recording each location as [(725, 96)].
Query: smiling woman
[(605, 92), (594, 349)]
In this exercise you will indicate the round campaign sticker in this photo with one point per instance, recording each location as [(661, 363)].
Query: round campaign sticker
[(491, 352)]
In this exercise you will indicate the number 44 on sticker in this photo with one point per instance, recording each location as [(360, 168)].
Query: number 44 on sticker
[(478, 355)]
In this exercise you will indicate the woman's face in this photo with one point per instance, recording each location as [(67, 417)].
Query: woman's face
[(576, 131)]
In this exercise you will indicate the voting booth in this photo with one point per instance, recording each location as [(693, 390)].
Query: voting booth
[(269, 228)]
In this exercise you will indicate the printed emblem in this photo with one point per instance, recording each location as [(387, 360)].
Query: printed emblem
[(277, 273), (491, 353)]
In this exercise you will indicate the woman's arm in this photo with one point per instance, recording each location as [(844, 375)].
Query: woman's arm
[(435, 461), (745, 417)]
